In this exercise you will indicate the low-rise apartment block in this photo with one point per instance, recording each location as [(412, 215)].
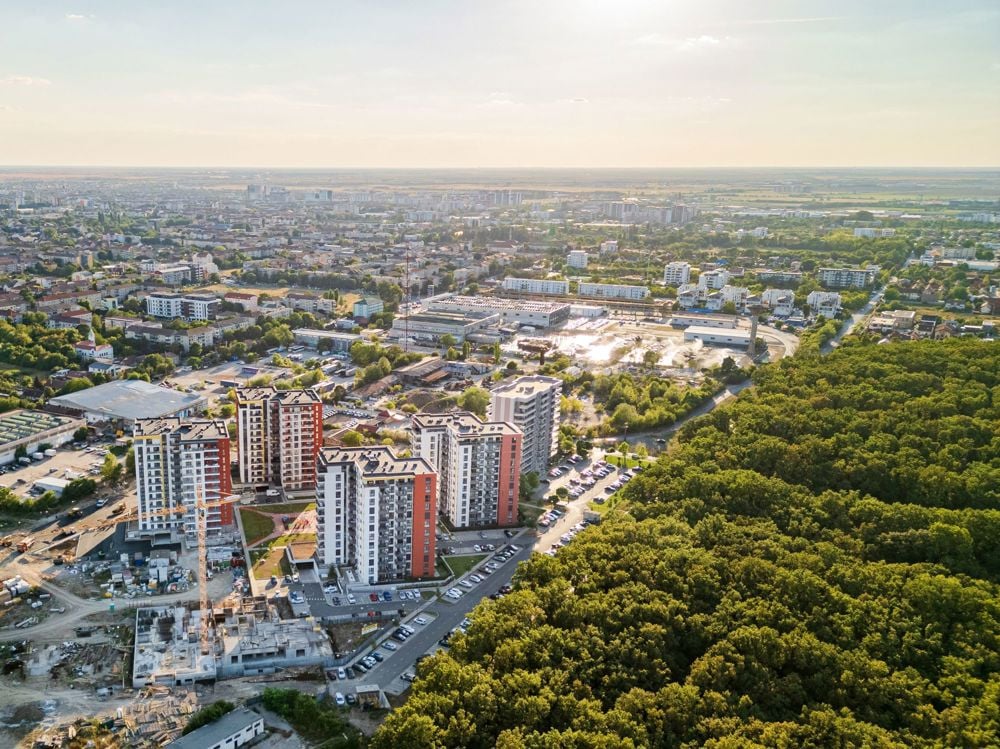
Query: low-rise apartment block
[(190, 307), (536, 285), (847, 278), (612, 290), (676, 273)]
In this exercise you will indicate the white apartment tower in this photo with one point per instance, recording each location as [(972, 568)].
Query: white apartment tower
[(376, 513), (478, 465), (531, 404), (279, 436), (577, 259), (676, 273), (178, 463)]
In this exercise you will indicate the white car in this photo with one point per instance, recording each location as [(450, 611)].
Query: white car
[(475, 578), (421, 620), (467, 584), (390, 645), (340, 699)]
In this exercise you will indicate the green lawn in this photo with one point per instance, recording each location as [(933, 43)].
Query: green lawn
[(267, 562), (461, 564), (288, 508), (288, 538), (255, 525)]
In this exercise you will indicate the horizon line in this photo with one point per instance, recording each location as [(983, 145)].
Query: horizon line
[(484, 167)]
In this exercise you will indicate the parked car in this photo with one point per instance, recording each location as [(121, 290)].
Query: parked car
[(341, 673), (340, 699)]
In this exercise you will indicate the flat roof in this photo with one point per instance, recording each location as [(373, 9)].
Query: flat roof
[(217, 731), (129, 399), (728, 332), (17, 425), (376, 461), (527, 385), (325, 334), (195, 430)]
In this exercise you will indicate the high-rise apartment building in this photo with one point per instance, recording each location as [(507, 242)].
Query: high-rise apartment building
[(532, 405), (376, 513), (478, 465), (177, 464), (280, 433)]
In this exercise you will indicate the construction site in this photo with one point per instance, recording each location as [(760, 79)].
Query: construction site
[(177, 646)]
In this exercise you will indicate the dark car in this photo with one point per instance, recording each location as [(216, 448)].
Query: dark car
[(377, 656), (350, 672), (386, 596), (351, 699)]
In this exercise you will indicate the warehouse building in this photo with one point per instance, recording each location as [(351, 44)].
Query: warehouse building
[(338, 343), (517, 311), (433, 325), (718, 336), (123, 401), (31, 430)]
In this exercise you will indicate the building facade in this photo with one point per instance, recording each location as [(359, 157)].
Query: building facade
[(376, 513), (612, 290), (847, 278), (279, 433), (577, 259), (536, 285), (531, 404), (190, 307), (178, 464), (478, 465), (676, 273)]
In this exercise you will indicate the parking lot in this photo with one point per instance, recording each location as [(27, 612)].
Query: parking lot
[(436, 619), (67, 464)]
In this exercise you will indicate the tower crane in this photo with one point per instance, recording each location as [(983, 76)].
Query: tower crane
[(201, 509)]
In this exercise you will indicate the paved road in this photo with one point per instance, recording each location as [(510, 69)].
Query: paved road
[(446, 616), (854, 320)]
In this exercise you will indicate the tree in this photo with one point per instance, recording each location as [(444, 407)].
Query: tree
[(111, 470), (623, 448), (352, 438), (81, 435), (448, 340), (227, 410), (476, 400), (528, 483), (650, 358)]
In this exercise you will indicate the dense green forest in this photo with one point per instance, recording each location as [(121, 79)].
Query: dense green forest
[(815, 565)]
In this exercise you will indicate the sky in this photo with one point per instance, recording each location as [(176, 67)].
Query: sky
[(504, 83)]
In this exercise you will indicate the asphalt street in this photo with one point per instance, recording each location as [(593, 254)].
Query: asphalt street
[(446, 616)]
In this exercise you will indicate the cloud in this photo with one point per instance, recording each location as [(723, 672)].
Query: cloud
[(24, 80), (501, 100), (806, 19), (694, 43), (574, 100), (79, 17), (686, 44)]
